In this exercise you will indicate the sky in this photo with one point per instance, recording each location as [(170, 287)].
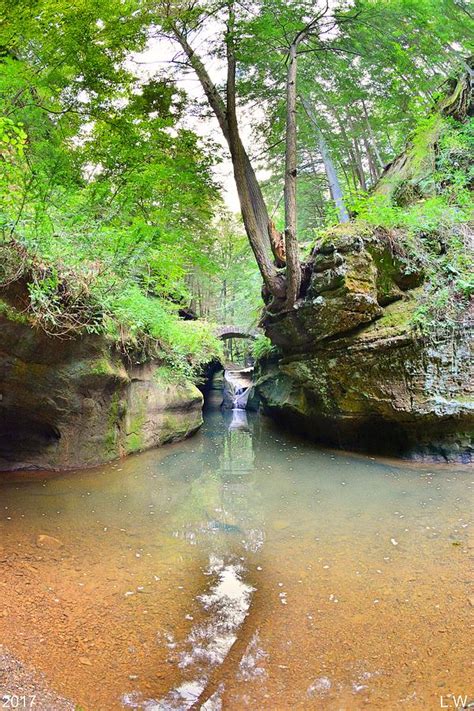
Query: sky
[(156, 58)]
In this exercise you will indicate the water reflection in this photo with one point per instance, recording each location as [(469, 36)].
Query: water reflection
[(240, 567), (225, 606), (239, 420), (220, 517), (215, 509)]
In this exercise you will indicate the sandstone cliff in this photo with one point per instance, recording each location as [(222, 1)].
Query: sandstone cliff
[(76, 402), (376, 354)]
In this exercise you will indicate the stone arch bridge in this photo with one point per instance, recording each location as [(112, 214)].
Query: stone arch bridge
[(224, 331)]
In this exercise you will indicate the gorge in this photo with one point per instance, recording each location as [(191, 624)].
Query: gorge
[(349, 357), (236, 373)]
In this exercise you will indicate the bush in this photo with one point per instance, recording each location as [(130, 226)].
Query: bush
[(69, 301), (262, 347)]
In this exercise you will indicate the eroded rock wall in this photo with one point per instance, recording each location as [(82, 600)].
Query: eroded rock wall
[(354, 372), (380, 389), (76, 402)]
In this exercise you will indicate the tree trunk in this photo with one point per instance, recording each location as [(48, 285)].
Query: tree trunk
[(373, 140), (344, 172), (252, 204), (333, 180), (293, 269), (350, 152), (251, 201), (258, 226), (370, 160), (357, 155), (224, 300)]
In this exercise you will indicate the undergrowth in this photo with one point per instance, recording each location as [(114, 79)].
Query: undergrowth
[(434, 232), (68, 301), (262, 348)]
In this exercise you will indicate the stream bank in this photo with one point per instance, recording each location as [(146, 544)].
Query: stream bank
[(67, 403), (22, 687)]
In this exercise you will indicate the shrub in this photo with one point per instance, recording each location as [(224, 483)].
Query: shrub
[(262, 347)]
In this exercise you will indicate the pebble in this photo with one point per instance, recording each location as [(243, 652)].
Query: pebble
[(45, 541)]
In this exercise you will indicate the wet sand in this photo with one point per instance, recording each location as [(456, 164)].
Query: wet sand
[(22, 687)]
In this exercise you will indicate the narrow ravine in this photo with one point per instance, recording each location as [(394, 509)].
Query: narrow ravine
[(239, 567), (236, 374)]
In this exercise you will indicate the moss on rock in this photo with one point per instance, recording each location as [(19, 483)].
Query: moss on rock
[(75, 403), (12, 314)]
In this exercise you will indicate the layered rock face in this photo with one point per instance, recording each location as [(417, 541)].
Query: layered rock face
[(353, 370), (76, 402), (354, 373)]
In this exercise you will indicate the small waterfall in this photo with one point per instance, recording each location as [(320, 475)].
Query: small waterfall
[(237, 387)]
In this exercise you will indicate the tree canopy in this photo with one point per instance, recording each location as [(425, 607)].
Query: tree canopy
[(112, 193)]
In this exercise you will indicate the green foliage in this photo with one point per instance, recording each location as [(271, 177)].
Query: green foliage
[(455, 162), (449, 268), (106, 198), (12, 138), (184, 347), (435, 232), (231, 290), (12, 314), (426, 134), (369, 80), (66, 303), (165, 374), (109, 199), (262, 348), (12, 148)]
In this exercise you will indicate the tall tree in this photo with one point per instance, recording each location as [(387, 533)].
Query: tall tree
[(300, 24), (253, 206), (333, 181), (367, 84)]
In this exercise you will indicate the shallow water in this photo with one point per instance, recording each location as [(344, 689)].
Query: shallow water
[(242, 569)]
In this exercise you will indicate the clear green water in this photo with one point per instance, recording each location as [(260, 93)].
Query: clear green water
[(243, 568)]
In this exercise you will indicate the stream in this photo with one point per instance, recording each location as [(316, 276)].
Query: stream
[(244, 568)]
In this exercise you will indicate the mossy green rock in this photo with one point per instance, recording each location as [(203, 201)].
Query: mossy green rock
[(352, 276), (159, 411), (355, 373), (76, 402)]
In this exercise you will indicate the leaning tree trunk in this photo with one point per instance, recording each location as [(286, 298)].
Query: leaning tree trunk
[(334, 184), (253, 207), (259, 228)]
